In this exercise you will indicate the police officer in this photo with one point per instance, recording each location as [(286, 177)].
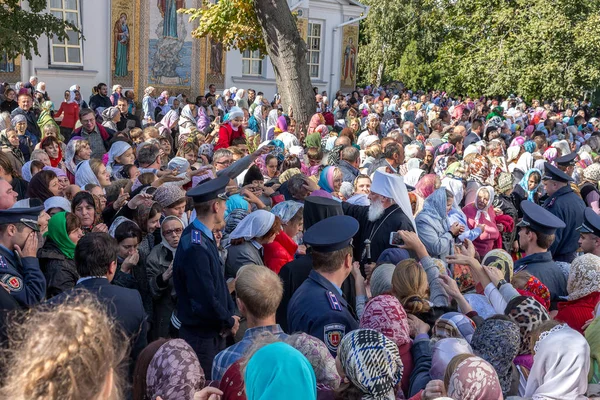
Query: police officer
[(19, 268), (318, 307), (204, 306), (538, 228), (567, 165), (589, 233), (568, 207)]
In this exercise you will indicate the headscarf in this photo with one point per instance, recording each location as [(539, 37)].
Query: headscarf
[(142, 215), (116, 150), (326, 179), (455, 187), (15, 150), (474, 379), (26, 171), (108, 114), (281, 125), (528, 313), (18, 118), (426, 185), (512, 153), (256, 224), (148, 91), (440, 164), (174, 372), (187, 116), (412, 176), (57, 231), (286, 210), (53, 161), (385, 314), (443, 351), (279, 368), (435, 208), (500, 259), (517, 142), (166, 195), (529, 146), (372, 363), (57, 202), (497, 342), (560, 367), (524, 183), (70, 154), (484, 213), (550, 154), (164, 126), (584, 276), (393, 256), (313, 140), (316, 120), (233, 219), (319, 357), (505, 182), (235, 202), (446, 149), (563, 146), (453, 325), (164, 240), (536, 289), (592, 173), (85, 175), (525, 162), (479, 169), (115, 224), (381, 279)]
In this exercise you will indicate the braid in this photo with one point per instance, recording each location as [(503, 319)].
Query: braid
[(65, 352)]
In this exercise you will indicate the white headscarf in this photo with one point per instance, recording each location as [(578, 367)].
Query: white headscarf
[(164, 241), (118, 221), (456, 187), (116, 150), (26, 171), (484, 213), (186, 116), (393, 187), (563, 146), (560, 366), (525, 162), (57, 202), (85, 175), (272, 119), (256, 224), (412, 176)]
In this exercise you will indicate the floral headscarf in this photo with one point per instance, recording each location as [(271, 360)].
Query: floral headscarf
[(286, 210), (528, 313), (529, 146), (372, 362), (385, 314), (174, 372), (524, 183), (550, 154), (319, 357), (500, 259), (497, 342), (584, 276), (445, 149), (536, 289), (474, 379), (479, 169), (426, 185)]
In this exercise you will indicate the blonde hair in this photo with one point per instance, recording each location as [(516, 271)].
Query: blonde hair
[(67, 351), (373, 150), (409, 285), (50, 128), (520, 279), (135, 133), (260, 289), (95, 165), (80, 144), (150, 132)]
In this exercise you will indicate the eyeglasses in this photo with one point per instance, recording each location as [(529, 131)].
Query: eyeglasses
[(226, 162), (172, 231)]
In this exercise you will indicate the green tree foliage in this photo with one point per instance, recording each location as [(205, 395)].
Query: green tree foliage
[(20, 29), (482, 47)]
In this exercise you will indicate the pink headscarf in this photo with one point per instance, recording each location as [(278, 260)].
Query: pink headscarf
[(323, 130), (315, 121), (475, 379), (386, 315), (518, 141), (426, 185), (550, 154)]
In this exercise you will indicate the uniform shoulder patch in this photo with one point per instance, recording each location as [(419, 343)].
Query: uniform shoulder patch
[(334, 303), (333, 334), (196, 236), (14, 283)]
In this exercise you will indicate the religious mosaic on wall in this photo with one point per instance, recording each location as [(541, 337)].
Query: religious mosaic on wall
[(123, 41), (349, 54)]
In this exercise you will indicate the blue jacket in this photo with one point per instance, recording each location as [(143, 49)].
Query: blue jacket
[(569, 207), (203, 300), (318, 308), (23, 277)]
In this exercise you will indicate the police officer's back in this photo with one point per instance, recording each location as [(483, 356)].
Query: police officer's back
[(318, 307), (19, 268)]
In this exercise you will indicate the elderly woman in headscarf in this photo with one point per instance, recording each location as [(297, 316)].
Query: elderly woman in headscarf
[(377, 378), (27, 140), (479, 173), (480, 213), (561, 365), (372, 128), (385, 314), (316, 120), (110, 117), (248, 238), (78, 150), (433, 226), (159, 267), (148, 105), (167, 124), (187, 120), (497, 342), (46, 117), (283, 249), (443, 351), (583, 288), (9, 140), (169, 369)]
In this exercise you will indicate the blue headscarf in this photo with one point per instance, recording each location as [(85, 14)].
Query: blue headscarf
[(529, 146), (435, 207), (326, 179), (235, 202), (279, 368), (524, 183)]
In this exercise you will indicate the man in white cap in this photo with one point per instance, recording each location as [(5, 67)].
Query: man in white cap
[(390, 211)]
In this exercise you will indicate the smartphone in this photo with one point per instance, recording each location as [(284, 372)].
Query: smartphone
[(396, 239)]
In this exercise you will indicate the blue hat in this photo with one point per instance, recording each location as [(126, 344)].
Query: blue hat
[(539, 219), (555, 174), (331, 234), (26, 216), (210, 190), (591, 222), (567, 160)]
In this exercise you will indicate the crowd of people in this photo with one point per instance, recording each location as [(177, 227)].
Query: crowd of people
[(404, 245)]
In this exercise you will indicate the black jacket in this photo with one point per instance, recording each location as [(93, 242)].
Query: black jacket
[(99, 101), (60, 272)]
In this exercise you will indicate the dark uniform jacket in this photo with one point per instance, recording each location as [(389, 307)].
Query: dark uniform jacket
[(545, 269), (569, 207), (203, 301), (293, 275), (318, 308), (23, 277), (60, 272)]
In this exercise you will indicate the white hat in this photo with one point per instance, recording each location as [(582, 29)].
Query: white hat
[(393, 187)]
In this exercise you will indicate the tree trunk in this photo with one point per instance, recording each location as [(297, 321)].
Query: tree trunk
[(287, 52)]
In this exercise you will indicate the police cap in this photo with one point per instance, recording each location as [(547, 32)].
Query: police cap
[(331, 234), (591, 222), (555, 174), (26, 216), (210, 190), (539, 219)]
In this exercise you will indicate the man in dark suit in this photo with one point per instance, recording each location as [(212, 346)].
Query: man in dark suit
[(475, 135), (96, 259)]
